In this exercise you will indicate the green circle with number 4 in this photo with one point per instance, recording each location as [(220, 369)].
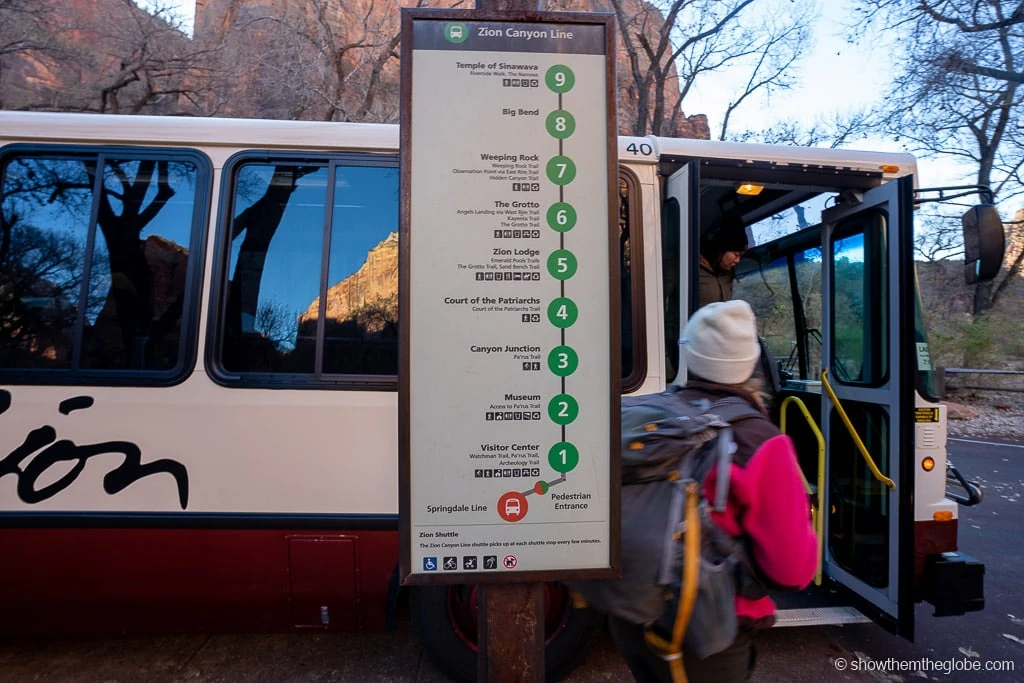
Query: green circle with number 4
[(561, 170), (562, 312), (563, 360), (563, 409), (560, 78), (563, 457), (561, 217), (562, 264), (560, 124)]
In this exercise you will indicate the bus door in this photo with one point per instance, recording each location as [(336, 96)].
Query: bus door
[(867, 396), (679, 226)]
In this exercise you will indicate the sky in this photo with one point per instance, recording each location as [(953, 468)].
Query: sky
[(835, 77)]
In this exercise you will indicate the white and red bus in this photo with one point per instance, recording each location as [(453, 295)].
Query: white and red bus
[(199, 353)]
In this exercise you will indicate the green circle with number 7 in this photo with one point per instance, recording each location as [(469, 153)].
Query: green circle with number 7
[(563, 457), (561, 170)]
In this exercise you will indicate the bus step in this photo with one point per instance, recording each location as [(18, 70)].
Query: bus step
[(818, 616)]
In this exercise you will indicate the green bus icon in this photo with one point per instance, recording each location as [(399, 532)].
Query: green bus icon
[(456, 33)]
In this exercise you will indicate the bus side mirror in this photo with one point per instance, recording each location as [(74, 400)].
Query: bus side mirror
[(984, 243)]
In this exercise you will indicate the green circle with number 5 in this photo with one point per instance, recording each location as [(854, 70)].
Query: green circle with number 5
[(562, 312), (561, 170), (563, 457), (562, 264), (561, 217), (560, 124), (563, 360), (560, 78), (563, 409)]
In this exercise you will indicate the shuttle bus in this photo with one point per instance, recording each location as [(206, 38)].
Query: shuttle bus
[(198, 373)]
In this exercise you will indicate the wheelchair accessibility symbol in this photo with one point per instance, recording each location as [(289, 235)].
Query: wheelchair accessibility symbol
[(430, 564)]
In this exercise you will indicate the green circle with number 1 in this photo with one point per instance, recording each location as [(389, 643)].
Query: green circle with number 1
[(562, 312), (563, 360), (560, 124), (562, 264), (563, 457), (563, 409), (561, 217), (561, 170), (560, 78)]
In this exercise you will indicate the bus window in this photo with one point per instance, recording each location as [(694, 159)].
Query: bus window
[(99, 265), (312, 275), (631, 283), (860, 301)]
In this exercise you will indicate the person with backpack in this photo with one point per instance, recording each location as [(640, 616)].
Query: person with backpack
[(766, 511)]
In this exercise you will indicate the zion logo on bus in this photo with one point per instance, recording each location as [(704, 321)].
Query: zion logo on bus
[(456, 33)]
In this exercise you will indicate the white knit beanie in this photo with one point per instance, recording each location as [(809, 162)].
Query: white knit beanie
[(720, 344)]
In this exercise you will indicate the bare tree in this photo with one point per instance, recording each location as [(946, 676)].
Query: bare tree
[(959, 96), (672, 46)]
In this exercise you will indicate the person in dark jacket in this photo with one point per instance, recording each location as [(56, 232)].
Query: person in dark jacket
[(768, 504), (720, 251)]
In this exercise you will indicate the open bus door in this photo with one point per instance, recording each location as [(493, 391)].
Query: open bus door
[(678, 233), (867, 401)]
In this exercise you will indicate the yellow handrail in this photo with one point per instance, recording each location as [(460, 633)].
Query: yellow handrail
[(853, 432), (817, 514)]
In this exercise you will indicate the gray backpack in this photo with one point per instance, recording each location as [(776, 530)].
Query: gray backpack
[(680, 585)]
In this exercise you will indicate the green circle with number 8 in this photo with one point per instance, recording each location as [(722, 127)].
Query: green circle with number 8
[(562, 312), (562, 264), (563, 361), (560, 78), (563, 457), (563, 409), (561, 170), (560, 124), (561, 217)]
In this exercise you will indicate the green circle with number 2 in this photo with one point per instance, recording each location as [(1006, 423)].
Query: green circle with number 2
[(560, 78), (560, 124), (563, 409)]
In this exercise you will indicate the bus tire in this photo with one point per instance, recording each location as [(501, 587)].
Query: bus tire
[(444, 619)]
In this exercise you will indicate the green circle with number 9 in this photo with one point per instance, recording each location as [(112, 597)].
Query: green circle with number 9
[(562, 312), (563, 361), (563, 457), (560, 124), (561, 217), (563, 409), (560, 78), (561, 170), (562, 264)]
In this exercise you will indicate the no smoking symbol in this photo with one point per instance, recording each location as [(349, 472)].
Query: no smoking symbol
[(510, 562)]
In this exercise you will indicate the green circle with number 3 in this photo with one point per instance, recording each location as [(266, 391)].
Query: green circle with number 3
[(563, 360), (560, 124)]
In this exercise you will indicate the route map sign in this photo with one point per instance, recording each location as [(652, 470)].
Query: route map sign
[(509, 385)]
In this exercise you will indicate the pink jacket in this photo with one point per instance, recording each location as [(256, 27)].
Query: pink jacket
[(769, 505)]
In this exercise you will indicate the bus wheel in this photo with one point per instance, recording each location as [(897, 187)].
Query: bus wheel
[(445, 619)]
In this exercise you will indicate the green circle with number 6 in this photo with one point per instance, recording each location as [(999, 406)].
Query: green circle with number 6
[(563, 360), (560, 124), (560, 78), (563, 457), (562, 264), (561, 170), (562, 312), (561, 217), (563, 409)]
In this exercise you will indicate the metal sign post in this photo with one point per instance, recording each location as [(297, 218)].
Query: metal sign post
[(509, 360)]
